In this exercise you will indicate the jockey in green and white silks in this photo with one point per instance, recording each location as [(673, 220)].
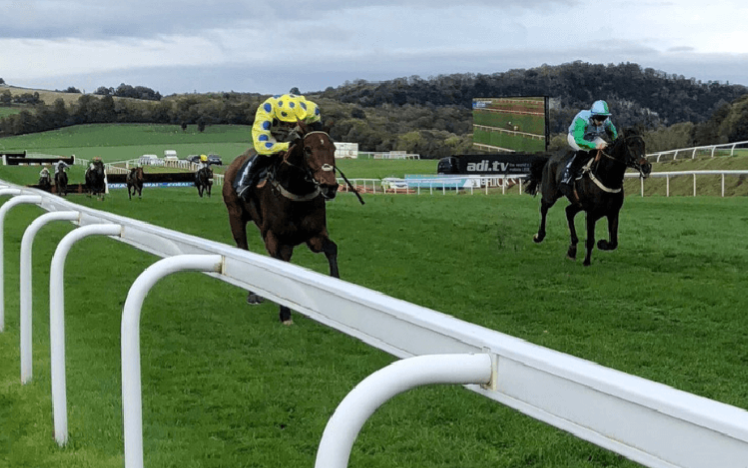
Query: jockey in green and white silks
[(585, 134), (273, 132), (588, 127)]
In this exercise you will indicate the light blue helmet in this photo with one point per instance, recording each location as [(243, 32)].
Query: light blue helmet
[(600, 108)]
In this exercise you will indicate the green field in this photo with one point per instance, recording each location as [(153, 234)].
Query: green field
[(6, 111), (224, 384)]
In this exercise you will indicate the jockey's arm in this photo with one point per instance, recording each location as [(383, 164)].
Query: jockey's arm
[(611, 130), (578, 131), (264, 142)]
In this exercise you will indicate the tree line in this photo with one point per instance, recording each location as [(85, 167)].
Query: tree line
[(433, 117)]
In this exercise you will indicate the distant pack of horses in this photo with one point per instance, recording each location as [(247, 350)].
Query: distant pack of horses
[(96, 181)]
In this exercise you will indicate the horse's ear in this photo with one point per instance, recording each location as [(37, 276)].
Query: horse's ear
[(327, 126), (301, 125)]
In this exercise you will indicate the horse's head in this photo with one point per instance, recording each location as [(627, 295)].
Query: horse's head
[(317, 152), (634, 153)]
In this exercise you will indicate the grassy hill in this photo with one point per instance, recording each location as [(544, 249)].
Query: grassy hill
[(706, 185), (47, 96)]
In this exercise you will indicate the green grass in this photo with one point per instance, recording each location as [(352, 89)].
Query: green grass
[(6, 111), (224, 384), (128, 141)]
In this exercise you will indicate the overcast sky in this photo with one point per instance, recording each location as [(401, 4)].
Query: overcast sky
[(271, 46)]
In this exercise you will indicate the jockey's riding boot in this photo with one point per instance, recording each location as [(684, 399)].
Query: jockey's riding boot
[(567, 179)]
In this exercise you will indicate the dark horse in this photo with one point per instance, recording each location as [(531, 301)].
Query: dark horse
[(95, 184), (45, 183), (289, 208), (598, 193), (135, 182), (61, 183), (204, 180)]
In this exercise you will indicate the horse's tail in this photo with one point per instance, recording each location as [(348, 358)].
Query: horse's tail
[(536, 175)]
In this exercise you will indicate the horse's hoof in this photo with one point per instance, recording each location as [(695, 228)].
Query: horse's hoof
[(586, 263), (573, 259), (288, 322), (254, 299), (602, 244), (537, 239)]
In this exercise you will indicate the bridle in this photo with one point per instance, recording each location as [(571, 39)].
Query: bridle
[(308, 174), (628, 161), (306, 170), (629, 157)]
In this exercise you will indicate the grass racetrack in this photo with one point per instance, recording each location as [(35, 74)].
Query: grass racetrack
[(224, 384)]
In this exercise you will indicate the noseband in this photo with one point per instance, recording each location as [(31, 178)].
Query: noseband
[(308, 174)]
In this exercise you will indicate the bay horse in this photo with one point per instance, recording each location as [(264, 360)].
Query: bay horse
[(61, 183), (599, 192), (204, 180), (289, 208), (134, 181), (95, 184)]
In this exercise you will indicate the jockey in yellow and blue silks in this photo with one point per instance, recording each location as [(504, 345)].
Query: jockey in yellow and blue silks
[(274, 119), (274, 132), (585, 134)]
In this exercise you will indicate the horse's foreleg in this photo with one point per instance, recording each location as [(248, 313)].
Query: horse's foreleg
[(238, 227), (281, 251), (571, 213), (612, 243), (544, 207), (324, 244), (590, 241)]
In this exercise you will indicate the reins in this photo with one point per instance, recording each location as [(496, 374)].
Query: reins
[(601, 152), (310, 177)]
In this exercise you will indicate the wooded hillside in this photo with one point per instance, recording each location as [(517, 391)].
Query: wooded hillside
[(432, 117)]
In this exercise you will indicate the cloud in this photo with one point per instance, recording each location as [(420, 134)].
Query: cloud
[(99, 19), (262, 46)]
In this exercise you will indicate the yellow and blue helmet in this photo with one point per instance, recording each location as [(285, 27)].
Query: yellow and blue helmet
[(203, 158)]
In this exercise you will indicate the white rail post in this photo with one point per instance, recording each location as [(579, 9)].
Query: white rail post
[(344, 425), (57, 321), (694, 185), (132, 404), (16, 200), (26, 288)]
